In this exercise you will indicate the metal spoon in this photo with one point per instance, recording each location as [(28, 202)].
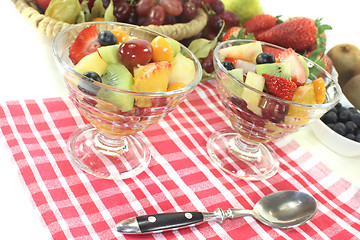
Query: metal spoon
[(283, 209)]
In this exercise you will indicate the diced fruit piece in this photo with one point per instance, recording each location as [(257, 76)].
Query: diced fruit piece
[(264, 58), (153, 77), (85, 43), (121, 35), (182, 70), (246, 66), (273, 110), (109, 53), (277, 69), (251, 97), (320, 90), (232, 86), (118, 76), (247, 52), (280, 87), (304, 94), (92, 62), (175, 45), (298, 74), (134, 52), (107, 38), (303, 62), (176, 86), (161, 49)]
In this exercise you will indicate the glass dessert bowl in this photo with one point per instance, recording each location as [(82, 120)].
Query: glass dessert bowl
[(125, 100), (258, 109)]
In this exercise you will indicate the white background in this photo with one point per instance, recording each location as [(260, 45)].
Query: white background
[(28, 71)]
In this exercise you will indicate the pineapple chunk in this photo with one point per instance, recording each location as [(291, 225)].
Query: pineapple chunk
[(253, 98), (182, 70), (92, 62), (246, 52)]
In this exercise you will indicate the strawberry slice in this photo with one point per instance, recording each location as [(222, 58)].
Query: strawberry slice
[(280, 87), (298, 74), (85, 43)]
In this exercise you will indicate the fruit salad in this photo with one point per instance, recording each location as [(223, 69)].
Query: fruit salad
[(114, 58), (127, 79), (270, 88)]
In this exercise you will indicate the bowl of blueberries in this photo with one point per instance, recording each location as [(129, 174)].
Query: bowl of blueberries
[(339, 129)]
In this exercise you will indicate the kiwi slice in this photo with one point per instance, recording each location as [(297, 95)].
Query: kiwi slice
[(282, 69), (109, 53), (118, 76)]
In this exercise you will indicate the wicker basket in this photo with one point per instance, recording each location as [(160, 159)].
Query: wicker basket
[(50, 27)]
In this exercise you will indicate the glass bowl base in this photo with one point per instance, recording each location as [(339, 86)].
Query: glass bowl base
[(124, 158), (224, 151)]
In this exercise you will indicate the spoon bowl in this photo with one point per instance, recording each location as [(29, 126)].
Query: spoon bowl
[(285, 209)]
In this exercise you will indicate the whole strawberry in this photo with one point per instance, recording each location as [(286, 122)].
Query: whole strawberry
[(260, 23), (298, 34)]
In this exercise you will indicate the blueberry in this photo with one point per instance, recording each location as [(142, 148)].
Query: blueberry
[(107, 38), (329, 117), (335, 110), (357, 137), (340, 128), (350, 127), (228, 65), (350, 136), (344, 115), (356, 119), (88, 88), (353, 110), (338, 105), (93, 75), (263, 58)]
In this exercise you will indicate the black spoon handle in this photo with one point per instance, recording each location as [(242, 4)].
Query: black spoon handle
[(159, 222), (167, 221)]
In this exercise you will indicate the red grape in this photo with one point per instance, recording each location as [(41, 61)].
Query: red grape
[(134, 52), (156, 15), (172, 7), (143, 7), (215, 23), (230, 18), (121, 11), (217, 6), (207, 63), (189, 11), (170, 19), (196, 2), (132, 18)]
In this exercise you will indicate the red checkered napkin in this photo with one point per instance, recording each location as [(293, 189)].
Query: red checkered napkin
[(180, 177)]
